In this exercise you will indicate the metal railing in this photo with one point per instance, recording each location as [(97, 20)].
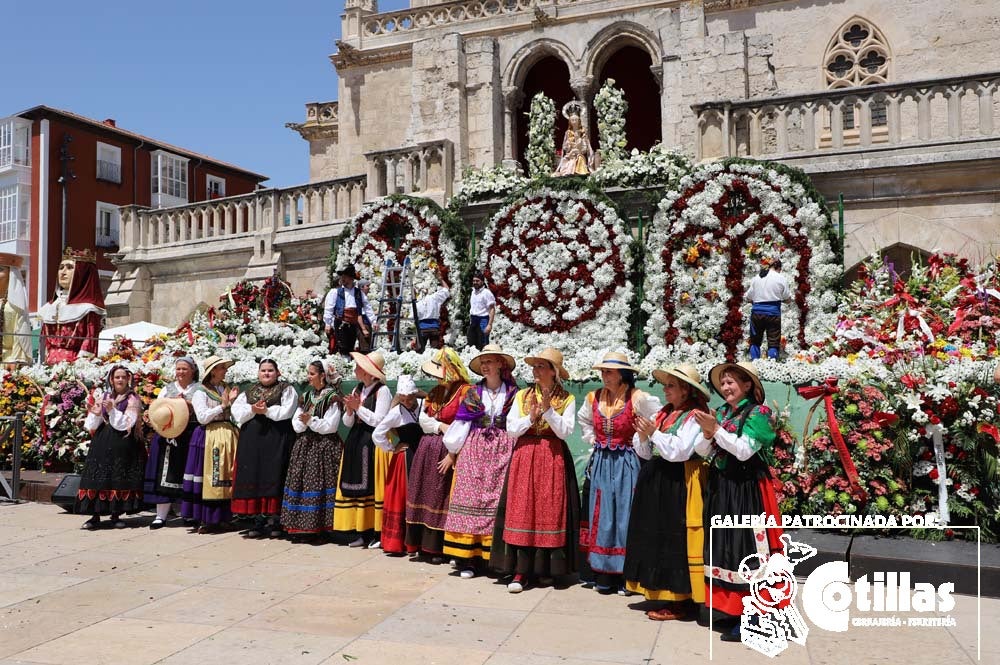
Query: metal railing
[(109, 171), (12, 430)]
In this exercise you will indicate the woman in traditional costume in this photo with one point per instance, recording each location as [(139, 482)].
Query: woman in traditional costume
[(111, 482), (663, 555), (738, 444), (311, 485), (429, 485), (479, 439), (399, 434), (74, 318), (208, 473), (358, 506), (607, 421), (578, 157), (164, 481), (264, 414), (537, 522)]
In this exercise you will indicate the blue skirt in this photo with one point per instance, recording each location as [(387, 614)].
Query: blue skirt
[(613, 474)]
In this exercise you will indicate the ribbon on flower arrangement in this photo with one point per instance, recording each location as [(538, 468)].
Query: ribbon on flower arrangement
[(936, 431), (824, 393)]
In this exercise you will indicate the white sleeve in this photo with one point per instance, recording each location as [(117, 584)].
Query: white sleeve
[(646, 405), (329, 423), (455, 437), (92, 421), (383, 400), (366, 308), (392, 420), (284, 410), (328, 304), (491, 299), (122, 422), (429, 424), (680, 446), (517, 421), (753, 288), (586, 418), (562, 425), (785, 290), (203, 409), (740, 446), (644, 449), (241, 410), (297, 424), (703, 446)]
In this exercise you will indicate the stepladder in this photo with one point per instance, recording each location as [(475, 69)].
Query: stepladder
[(395, 324)]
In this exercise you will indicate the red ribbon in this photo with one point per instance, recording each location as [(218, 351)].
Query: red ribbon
[(826, 391)]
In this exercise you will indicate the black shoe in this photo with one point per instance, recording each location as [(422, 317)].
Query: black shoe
[(732, 635), (157, 523), (92, 524)]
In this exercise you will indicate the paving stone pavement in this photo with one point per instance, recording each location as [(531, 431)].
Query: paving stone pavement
[(137, 597)]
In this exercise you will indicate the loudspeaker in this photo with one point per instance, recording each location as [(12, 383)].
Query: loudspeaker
[(65, 494)]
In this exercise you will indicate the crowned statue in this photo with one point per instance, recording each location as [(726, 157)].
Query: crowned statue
[(15, 331), (73, 319), (578, 157)]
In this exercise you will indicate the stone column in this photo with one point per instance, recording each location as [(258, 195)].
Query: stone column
[(512, 99), (583, 88)]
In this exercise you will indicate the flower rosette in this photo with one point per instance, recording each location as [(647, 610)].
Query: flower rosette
[(396, 228), (557, 263), (712, 235)]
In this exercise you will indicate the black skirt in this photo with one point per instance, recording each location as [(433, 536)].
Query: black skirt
[(734, 490), (357, 474), (262, 456), (656, 548), (111, 482)]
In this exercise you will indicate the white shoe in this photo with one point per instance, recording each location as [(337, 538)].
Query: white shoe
[(622, 591), (515, 587), (453, 563), (375, 544), (360, 542), (467, 574)]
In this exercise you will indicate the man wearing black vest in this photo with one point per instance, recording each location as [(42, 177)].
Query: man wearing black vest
[(344, 312)]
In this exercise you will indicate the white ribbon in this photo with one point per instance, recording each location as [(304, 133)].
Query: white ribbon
[(936, 432), (901, 327)]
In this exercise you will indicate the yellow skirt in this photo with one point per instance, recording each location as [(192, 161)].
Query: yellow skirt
[(363, 513), (467, 545), (220, 459)]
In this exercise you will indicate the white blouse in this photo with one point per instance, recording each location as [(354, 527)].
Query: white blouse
[(243, 413), (328, 424), (123, 422), (562, 426), (383, 399), (398, 416), (643, 403), (458, 431), (677, 447), (206, 409)]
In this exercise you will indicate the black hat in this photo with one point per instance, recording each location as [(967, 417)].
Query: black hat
[(349, 271)]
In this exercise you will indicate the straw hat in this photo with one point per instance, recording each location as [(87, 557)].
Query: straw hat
[(549, 356), (433, 368), (212, 362), (373, 363), (491, 350), (616, 360), (715, 376), (168, 416), (683, 372)]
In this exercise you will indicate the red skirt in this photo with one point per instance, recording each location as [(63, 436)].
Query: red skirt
[(536, 494), (268, 505), (394, 507)]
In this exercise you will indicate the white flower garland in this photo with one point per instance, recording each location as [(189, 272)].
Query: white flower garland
[(550, 259), (541, 152), (611, 108), (485, 184), (698, 269), (660, 167)]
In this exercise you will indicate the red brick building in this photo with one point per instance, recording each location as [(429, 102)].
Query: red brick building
[(63, 176)]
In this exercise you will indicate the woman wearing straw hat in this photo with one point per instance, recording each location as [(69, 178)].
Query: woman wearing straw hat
[(479, 439), (402, 424), (311, 484), (429, 484), (607, 421), (538, 516), (164, 481), (738, 443), (111, 482), (264, 413), (358, 506), (208, 474), (663, 555)]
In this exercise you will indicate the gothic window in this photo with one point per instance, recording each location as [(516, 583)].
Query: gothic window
[(858, 55)]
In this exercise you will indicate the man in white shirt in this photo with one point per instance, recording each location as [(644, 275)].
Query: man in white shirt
[(767, 291), (429, 316), (344, 310), (482, 309)]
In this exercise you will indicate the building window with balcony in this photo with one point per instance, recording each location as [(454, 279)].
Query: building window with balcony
[(169, 179), (858, 55), (15, 205), (109, 163), (15, 142), (215, 187), (107, 225)]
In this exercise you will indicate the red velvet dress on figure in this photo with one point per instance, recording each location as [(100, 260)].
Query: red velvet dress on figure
[(72, 321)]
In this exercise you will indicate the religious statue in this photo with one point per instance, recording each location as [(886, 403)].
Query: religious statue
[(578, 158), (73, 319), (15, 331)]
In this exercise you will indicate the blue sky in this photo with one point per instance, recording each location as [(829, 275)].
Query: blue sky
[(221, 77)]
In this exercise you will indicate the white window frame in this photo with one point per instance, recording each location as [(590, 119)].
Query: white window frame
[(15, 152), (169, 179), (115, 153), (15, 211), (214, 179), (110, 239)]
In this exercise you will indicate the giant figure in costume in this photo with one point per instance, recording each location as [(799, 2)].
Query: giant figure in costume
[(73, 319), (15, 331)]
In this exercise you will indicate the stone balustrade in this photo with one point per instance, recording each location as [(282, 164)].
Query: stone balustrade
[(206, 224), (932, 114), (447, 13), (426, 169)]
